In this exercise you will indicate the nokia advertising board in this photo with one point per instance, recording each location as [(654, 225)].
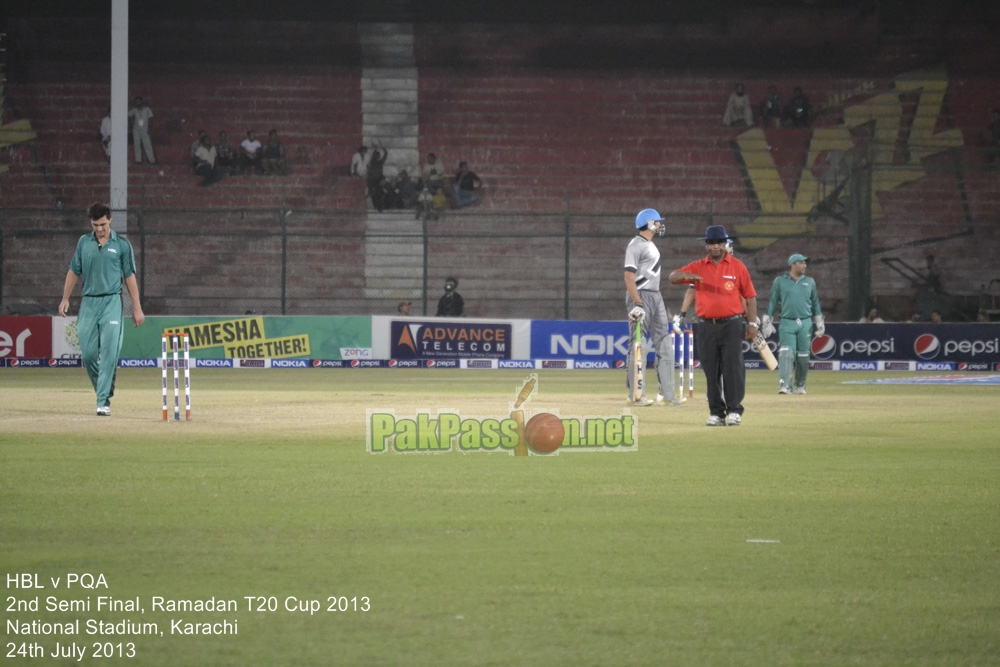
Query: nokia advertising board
[(582, 341)]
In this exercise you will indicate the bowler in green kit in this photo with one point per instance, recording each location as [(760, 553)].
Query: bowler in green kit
[(799, 303), (105, 261)]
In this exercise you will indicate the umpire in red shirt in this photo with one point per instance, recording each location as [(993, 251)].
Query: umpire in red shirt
[(721, 282)]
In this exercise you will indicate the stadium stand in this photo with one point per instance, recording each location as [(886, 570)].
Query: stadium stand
[(581, 121)]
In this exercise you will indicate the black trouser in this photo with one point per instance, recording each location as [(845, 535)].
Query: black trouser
[(208, 173), (720, 351)]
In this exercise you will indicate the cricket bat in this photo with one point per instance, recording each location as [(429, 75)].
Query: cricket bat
[(760, 345), (640, 363)]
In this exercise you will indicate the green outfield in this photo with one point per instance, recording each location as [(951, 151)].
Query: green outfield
[(856, 525)]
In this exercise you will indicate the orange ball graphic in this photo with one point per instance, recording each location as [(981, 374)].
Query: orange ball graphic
[(544, 432)]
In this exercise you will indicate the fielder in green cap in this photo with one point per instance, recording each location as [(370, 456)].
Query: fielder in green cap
[(105, 260), (795, 292)]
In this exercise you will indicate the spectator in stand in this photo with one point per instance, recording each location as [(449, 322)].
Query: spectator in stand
[(433, 174), (933, 275), (206, 156), (195, 145), (770, 108), (425, 205), (273, 161), (451, 303), (251, 153), (936, 317), (872, 317), (225, 154), (376, 170), (403, 308), (465, 185), (383, 195), (359, 163), (141, 115), (439, 203), (738, 109), (407, 189), (106, 134), (993, 148), (798, 109), (431, 206)]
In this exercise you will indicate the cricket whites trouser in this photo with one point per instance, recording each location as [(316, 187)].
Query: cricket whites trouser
[(655, 330), (794, 340), (141, 141), (100, 330)]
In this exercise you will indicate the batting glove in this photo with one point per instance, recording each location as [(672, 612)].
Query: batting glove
[(677, 322), (637, 314), (820, 325), (766, 326)]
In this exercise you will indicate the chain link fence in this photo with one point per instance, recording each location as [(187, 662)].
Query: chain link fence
[(530, 265)]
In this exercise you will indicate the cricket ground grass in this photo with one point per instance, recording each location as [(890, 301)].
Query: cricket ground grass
[(857, 525)]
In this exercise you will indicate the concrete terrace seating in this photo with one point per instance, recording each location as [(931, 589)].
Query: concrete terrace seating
[(550, 140), (213, 261), (315, 109), (548, 135), (600, 141)]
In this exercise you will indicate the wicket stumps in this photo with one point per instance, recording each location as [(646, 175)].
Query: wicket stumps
[(683, 340), (172, 342)]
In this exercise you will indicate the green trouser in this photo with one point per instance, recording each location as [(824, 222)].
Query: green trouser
[(794, 341), (100, 330)]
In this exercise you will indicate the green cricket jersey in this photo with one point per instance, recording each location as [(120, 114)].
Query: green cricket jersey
[(103, 269), (798, 298)]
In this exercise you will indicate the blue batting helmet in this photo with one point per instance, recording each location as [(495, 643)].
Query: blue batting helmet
[(647, 216)]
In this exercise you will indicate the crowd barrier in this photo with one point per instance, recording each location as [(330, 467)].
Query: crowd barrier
[(415, 342)]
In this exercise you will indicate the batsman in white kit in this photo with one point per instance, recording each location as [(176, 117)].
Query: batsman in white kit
[(644, 305)]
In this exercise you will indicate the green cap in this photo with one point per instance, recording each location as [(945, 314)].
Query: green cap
[(797, 258)]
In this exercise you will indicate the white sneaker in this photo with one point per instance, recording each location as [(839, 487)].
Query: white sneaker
[(641, 403), (800, 390), (783, 388), (714, 420), (733, 419), (104, 411), (662, 400)]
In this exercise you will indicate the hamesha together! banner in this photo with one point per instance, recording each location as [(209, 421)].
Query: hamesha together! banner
[(253, 337)]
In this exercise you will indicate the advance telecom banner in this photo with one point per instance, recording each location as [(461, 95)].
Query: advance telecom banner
[(440, 338)]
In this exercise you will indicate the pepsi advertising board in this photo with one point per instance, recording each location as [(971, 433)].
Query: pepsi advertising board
[(976, 345)]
